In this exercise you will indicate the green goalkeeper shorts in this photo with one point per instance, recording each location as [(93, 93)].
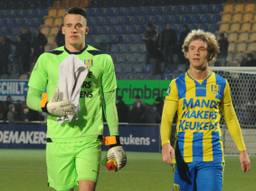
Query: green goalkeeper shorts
[(67, 163)]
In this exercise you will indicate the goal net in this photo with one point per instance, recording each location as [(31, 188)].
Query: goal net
[(242, 81)]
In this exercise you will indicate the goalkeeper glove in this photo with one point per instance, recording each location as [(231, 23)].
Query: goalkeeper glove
[(57, 107), (60, 108), (116, 156)]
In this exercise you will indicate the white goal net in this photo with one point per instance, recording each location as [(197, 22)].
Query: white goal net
[(242, 81)]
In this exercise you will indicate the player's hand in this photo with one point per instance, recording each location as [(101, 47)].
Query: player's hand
[(168, 153), (245, 161), (117, 154), (60, 108)]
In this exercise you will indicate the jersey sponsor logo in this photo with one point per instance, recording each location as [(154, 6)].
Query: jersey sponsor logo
[(86, 89), (200, 114), (201, 103), (196, 125)]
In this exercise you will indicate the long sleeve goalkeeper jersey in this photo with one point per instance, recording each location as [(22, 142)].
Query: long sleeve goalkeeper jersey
[(97, 94)]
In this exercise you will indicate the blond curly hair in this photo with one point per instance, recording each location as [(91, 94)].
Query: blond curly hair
[(208, 37)]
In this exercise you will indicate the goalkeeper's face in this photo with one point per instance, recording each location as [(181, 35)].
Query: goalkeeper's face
[(75, 30)]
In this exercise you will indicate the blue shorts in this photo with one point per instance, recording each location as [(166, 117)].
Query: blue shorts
[(203, 176)]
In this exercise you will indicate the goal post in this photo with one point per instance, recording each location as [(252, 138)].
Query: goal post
[(242, 82)]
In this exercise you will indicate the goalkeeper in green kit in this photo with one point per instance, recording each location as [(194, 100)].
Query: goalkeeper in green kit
[(80, 84)]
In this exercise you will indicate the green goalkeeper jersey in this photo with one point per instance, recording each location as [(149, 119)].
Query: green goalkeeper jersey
[(100, 79)]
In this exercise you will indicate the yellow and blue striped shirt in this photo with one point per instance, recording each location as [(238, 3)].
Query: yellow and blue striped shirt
[(199, 105)]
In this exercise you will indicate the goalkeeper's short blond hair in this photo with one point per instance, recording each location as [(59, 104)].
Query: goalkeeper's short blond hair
[(208, 37)]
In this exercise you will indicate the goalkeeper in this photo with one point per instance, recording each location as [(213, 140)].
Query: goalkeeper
[(199, 97), (73, 149)]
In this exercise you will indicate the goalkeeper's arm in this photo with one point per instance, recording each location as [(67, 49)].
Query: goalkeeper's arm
[(34, 99), (115, 151), (110, 112)]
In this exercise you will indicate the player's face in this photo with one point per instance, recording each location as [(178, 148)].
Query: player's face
[(75, 30), (197, 54)]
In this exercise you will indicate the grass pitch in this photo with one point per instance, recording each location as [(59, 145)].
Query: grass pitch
[(25, 170)]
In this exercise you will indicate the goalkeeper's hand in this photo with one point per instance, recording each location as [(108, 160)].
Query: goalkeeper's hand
[(60, 108), (116, 153), (57, 106)]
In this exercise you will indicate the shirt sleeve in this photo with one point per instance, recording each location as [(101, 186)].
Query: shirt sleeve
[(168, 114), (110, 112), (33, 99), (232, 120), (109, 86), (109, 77), (38, 78), (37, 84)]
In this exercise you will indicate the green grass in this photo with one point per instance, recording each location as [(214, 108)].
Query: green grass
[(25, 170)]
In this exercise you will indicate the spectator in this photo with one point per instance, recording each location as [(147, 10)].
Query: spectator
[(23, 50), (151, 114), (153, 53), (137, 111), (159, 106), (182, 36), (6, 104), (5, 49), (249, 60), (122, 109), (39, 42), (223, 43), (2, 111), (59, 39), (168, 45), (11, 114)]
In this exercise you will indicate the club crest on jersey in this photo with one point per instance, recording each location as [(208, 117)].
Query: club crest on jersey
[(214, 88), (88, 62)]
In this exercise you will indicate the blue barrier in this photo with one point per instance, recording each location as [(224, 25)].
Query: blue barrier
[(22, 135), (134, 137)]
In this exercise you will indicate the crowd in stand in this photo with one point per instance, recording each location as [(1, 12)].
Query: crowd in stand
[(139, 112), (17, 111), (163, 49), (18, 55)]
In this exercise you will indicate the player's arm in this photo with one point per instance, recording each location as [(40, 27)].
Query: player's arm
[(34, 99), (37, 84), (234, 128), (110, 112), (168, 114), (109, 85)]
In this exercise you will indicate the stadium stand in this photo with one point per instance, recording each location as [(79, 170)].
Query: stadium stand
[(238, 21), (129, 24), (118, 26)]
